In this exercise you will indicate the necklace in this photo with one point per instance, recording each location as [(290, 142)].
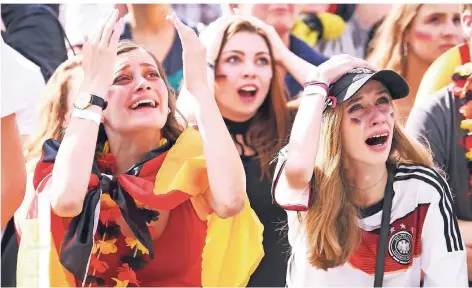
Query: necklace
[(463, 90), (363, 189)]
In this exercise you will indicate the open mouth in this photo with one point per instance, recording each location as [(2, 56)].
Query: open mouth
[(248, 91), (377, 140), (145, 103)]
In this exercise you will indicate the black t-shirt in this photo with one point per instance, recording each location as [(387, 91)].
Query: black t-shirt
[(272, 270)]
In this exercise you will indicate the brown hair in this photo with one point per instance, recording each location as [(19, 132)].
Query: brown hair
[(387, 50), (54, 107), (331, 221), (172, 129), (269, 128), (465, 7)]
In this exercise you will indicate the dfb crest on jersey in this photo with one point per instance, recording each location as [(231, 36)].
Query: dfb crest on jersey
[(400, 246)]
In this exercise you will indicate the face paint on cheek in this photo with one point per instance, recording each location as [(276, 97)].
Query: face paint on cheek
[(220, 76), (425, 36)]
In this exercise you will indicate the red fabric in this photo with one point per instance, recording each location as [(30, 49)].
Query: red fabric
[(465, 53), (178, 253), (364, 257)]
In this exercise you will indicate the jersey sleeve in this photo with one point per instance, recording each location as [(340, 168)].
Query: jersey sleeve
[(284, 196), (443, 255)]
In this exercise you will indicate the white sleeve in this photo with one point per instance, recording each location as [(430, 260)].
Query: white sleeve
[(22, 88), (443, 252)]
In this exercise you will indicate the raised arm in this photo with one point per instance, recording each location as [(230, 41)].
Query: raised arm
[(71, 173), (225, 170), (303, 143)]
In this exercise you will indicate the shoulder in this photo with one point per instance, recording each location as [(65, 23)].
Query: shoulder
[(435, 107), (427, 181), (304, 51)]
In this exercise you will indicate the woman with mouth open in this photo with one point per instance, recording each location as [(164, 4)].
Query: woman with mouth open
[(365, 204), (243, 54), (132, 197)]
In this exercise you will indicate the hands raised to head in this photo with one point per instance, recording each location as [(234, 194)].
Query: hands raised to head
[(338, 65), (99, 54)]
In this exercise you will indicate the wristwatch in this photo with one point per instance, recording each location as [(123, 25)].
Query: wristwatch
[(85, 99)]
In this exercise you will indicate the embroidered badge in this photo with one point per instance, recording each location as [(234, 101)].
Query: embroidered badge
[(399, 247)]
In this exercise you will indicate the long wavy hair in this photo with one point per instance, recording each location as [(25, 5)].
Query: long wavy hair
[(54, 107), (387, 49), (331, 221), (269, 128)]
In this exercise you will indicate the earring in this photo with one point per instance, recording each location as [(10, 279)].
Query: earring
[(168, 110), (405, 49)]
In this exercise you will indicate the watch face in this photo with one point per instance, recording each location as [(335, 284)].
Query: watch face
[(82, 101)]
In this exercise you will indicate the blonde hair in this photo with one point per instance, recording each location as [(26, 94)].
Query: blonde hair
[(54, 107), (331, 221), (387, 49)]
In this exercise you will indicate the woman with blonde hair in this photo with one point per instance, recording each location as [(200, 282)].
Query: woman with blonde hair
[(410, 38), (363, 199)]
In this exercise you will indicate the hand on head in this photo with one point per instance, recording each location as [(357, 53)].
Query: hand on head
[(333, 69), (99, 54)]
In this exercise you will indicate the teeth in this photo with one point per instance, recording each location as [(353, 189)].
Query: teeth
[(145, 101), (381, 135), (249, 88)]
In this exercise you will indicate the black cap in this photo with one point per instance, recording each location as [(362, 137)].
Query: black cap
[(352, 81)]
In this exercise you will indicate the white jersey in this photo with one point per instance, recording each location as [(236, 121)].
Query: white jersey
[(424, 236)]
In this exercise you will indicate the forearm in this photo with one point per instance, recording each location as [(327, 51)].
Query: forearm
[(73, 165), (304, 139), (466, 231), (225, 170), (296, 66), (13, 169)]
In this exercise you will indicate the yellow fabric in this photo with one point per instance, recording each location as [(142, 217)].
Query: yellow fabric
[(333, 27), (184, 167), (233, 247), (439, 74), (32, 262)]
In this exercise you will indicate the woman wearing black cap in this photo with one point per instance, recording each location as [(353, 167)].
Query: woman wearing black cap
[(363, 199)]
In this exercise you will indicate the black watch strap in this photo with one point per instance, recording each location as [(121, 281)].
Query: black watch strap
[(99, 101)]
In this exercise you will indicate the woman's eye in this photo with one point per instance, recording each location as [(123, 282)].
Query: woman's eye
[(383, 100), (263, 61), (153, 74), (355, 108), (434, 19), (233, 59), (121, 79)]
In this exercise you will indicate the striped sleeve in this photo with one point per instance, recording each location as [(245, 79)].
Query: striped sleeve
[(442, 249)]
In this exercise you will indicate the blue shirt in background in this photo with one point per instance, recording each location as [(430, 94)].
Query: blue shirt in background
[(307, 53)]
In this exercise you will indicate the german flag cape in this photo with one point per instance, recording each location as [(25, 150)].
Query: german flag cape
[(439, 74), (56, 251)]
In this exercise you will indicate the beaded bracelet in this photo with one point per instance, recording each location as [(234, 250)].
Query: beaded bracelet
[(317, 83)]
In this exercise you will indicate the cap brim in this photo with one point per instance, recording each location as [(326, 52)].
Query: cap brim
[(395, 84)]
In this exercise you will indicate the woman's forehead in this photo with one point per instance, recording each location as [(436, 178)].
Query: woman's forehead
[(134, 57)]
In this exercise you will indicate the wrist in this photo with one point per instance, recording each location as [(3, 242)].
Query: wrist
[(96, 90)]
